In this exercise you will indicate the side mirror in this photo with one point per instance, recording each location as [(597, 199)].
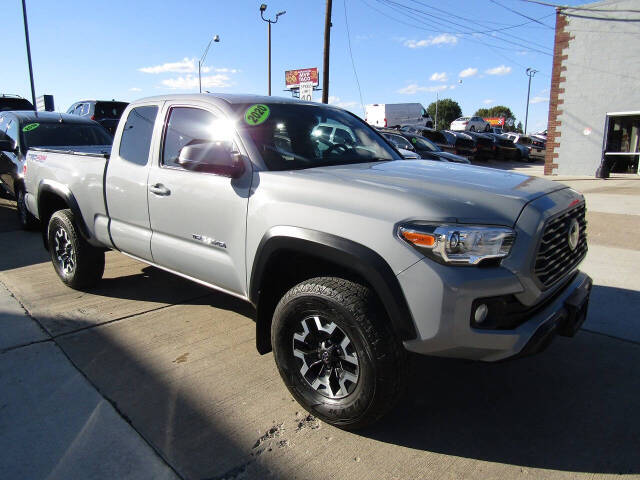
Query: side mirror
[(7, 145), (212, 157)]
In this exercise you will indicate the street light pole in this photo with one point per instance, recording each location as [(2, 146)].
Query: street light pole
[(26, 36), (263, 7), (437, 98), (530, 73), (216, 38)]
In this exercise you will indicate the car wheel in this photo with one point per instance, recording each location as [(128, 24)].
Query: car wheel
[(336, 352), (487, 128), (472, 128), (78, 264), (27, 221)]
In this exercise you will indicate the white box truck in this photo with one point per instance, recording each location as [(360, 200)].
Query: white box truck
[(397, 115)]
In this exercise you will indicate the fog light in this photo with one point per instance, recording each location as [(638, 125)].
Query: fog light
[(481, 313)]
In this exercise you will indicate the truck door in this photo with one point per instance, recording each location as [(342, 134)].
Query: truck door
[(198, 219), (126, 182)]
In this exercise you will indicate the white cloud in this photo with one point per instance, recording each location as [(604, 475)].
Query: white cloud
[(468, 72), (442, 39), (439, 77), (191, 81), (135, 89), (501, 70), (186, 65), (414, 88), (338, 103), (488, 101), (538, 100)]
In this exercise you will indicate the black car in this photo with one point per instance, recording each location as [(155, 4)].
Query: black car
[(485, 145), (14, 102), (21, 130), (446, 144), (463, 143), (430, 151), (106, 112), (505, 148)]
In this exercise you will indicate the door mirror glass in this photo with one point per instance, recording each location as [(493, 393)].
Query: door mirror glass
[(212, 157), (7, 145)]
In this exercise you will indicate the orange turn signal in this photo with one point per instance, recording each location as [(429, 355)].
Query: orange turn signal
[(419, 239)]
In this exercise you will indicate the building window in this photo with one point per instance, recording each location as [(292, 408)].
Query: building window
[(622, 142)]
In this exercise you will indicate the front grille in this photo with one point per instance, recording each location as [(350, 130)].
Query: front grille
[(555, 257)]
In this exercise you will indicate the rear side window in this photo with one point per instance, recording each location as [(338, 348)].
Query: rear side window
[(136, 135)]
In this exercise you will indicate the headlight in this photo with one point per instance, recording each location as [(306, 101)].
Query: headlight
[(458, 244)]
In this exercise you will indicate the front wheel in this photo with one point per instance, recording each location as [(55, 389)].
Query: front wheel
[(78, 264), (336, 352), (472, 128)]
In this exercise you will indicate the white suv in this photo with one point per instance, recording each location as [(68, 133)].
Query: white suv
[(473, 124)]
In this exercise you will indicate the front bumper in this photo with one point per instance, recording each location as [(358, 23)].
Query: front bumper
[(441, 308)]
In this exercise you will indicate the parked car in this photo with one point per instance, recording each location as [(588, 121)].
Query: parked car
[(472, 124), (524, 152), (20, 131), (398, 140), (497, 130), (536, 146), (350, 256), (430, 151), (464, 144), (505, 148), (485, 146), (105, 112), (397, 114), (14, 102), (443, 142)]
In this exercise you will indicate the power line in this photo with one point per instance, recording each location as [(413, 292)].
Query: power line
[(520, 13), (355, 73), (567, 7)]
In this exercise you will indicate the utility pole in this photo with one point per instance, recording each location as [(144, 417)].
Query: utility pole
[(530, 73), (325, 63), (216, 39), (436, 122), (26, 35), (263, 7)]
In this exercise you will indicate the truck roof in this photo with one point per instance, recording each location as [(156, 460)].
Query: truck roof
[(230, 98), (31, 116)]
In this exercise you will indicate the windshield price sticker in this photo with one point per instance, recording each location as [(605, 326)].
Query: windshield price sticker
[(256, 114), (31, 126)]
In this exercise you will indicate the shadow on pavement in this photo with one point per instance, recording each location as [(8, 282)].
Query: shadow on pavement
[(573, 408)]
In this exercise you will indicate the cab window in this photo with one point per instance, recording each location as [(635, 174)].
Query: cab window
[(136, 134)]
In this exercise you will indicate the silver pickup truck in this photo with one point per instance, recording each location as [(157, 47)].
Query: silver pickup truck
[(350, 255)]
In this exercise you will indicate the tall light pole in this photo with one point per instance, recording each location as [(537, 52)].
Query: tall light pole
[(263, 7), (437, 98), (530, 73), (26, 36), (216, 39)]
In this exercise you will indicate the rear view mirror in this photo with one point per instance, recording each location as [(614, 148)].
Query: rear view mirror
[(7, 145), (212, 157)]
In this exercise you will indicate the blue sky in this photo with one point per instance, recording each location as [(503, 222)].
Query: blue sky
[(404, 50)]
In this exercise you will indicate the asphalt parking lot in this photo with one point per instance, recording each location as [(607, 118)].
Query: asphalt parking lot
[(151, 376)]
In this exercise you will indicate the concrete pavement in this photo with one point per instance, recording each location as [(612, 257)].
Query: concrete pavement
[(179, 364)]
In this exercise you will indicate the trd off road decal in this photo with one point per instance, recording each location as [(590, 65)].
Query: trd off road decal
[(256, 114), (31, 126)]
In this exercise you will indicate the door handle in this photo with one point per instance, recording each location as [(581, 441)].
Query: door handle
[(159, 189)]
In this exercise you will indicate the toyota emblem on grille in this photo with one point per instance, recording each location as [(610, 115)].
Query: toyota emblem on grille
[(574, 234)]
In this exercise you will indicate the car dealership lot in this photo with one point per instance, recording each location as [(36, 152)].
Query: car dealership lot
[(163, 374)]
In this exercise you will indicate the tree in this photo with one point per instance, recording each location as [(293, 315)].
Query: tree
[(519, 128), (448, 111), (498, 111)]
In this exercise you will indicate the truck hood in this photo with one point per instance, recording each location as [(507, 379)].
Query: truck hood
[(435, 191)]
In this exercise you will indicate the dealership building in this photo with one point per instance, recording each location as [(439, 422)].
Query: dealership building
[(594, 105)]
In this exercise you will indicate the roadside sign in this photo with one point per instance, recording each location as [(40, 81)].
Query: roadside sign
[(295, 78), (306, 91), (495, 121)]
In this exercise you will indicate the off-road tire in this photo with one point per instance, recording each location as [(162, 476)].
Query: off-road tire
[(88, 261), (25, 218), (382, 359)]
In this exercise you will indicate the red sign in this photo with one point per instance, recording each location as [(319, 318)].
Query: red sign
[(293, 78), (495, 121)]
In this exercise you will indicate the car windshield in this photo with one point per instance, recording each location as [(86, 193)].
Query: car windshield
[(58, 134), (423, 144), (292, 136), (109, 110), (9, 103)]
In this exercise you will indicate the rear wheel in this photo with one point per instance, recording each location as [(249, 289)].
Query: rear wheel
[(336, 352), (27, 221), (78, 264), (472, 128)]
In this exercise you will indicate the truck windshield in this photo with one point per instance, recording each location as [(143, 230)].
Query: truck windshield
[(293, 136), (63, 134)]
